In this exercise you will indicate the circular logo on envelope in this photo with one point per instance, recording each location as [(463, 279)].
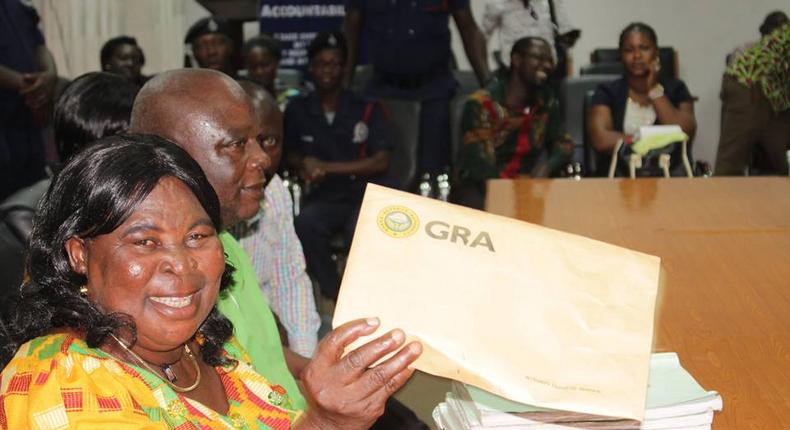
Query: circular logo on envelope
[(398, 221)]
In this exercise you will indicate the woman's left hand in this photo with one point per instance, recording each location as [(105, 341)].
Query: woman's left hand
[(349, 392)]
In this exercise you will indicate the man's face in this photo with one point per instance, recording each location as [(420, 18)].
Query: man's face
[(126, 60), (219, 130), (326, 67), (212, 51), (534, 65)]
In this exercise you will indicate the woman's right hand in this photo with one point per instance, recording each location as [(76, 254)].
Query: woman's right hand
[(346, 392)]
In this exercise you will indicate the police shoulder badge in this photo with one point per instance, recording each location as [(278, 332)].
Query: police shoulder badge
[(360, 132)]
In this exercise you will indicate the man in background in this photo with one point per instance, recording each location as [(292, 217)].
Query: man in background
[(510, 20), (271, 242), (209, 40), (511, 123), (755, 95)]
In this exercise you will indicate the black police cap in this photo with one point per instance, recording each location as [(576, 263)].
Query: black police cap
[(327, 40), (212, 24)]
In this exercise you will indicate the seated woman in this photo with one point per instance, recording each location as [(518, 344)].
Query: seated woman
[(637, 99), (116, 323)]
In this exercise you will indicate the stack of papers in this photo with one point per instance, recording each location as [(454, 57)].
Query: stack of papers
[(674, 401)]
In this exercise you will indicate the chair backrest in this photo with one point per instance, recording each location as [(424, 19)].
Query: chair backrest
[(288, 78), (362, 75), (601, 69), (667, 55), (404, 121), (16, 224), (573, 91)]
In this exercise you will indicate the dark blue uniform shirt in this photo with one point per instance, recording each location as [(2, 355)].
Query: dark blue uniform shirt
[(408, 43), (19, 38), (307, 132)]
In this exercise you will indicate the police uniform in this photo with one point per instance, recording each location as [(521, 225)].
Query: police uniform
[(408, 43), (21, 143), (355, 132)]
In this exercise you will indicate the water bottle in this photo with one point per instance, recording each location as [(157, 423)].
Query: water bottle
[(425, 187), (296, 192), (443, 186)]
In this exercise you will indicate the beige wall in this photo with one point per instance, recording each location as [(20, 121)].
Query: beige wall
[(702, 31), (76, 29)]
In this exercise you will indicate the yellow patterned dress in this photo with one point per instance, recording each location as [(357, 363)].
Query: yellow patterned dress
[(58, 382)]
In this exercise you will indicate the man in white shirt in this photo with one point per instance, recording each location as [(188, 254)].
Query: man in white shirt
[(512, 20)]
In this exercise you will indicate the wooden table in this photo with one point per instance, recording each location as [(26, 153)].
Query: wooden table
[(724, 245)]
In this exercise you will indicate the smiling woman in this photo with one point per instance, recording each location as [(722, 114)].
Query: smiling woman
[(116, 320)]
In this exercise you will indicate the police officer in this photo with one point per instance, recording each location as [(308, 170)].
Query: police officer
[(335, 139), (211, 45), (408, 42)]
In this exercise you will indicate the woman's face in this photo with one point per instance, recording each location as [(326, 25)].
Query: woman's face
[(327, 69), (126, 60), (262, 66), (162, 267), (639, 53)]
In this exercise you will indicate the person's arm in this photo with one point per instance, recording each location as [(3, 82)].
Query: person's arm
[(352, 25), (474, 43), (377, 163), (600, 128), (10, 79), (475, 163), (667, 113), (683, 115), (39, 88)]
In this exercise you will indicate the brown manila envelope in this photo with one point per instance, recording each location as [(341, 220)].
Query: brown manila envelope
[(532, 314)]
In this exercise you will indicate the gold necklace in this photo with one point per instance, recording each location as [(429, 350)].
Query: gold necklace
[(168, 376)]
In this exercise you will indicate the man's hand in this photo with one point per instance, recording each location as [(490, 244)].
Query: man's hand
[(39, 91), (349, 392), (313, 169)]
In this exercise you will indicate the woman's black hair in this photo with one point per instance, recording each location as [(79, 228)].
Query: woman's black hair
[(638, 27), (109, 47), (93, 106), (773, 21), (93, 195), (265, 42)]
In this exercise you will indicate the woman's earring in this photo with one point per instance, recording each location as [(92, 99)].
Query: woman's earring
[(84, 290)]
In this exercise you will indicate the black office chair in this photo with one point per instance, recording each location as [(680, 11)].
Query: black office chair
[(362, 75), (16, 225), (573, 93), (288, 78), (602, 69)]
